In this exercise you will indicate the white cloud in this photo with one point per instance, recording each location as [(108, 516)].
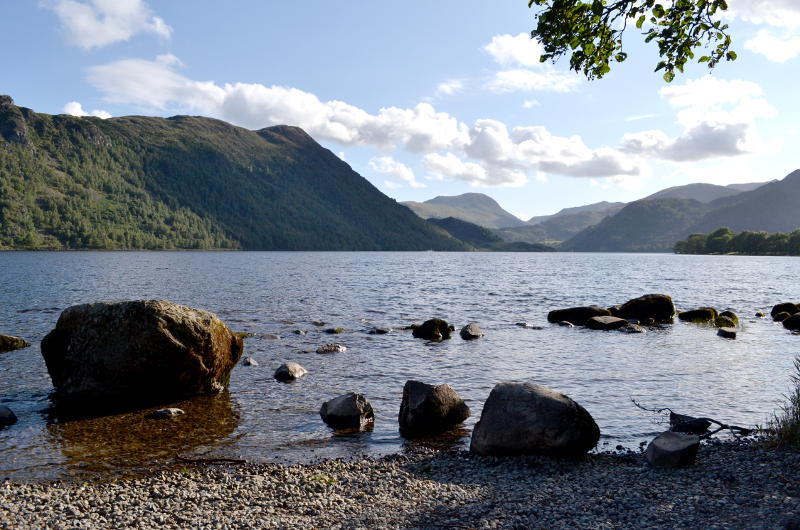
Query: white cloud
[(98, 23), (640, 117), (449, 87), (387, 165), (73, 108), (529, 80), (515, 49), (450, 165), (530, 103), (779, 13), (775, 49)]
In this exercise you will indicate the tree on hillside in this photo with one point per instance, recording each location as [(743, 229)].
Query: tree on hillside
[(590, 32)]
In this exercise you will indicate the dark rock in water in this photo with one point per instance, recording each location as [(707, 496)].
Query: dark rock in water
[(11, 343), (332, 348), (702, 315), (759, 314), (317, 323), (289, 371), (793, 322), (427, 410), (724, 322), (271, 336), (334, 331), (727, 332), (576, 315), (249, 361), (614, 310), (380, 331), (349, 411), (7, 416), (731, 315), (527, 419), (300, 332), (786, 307), (780, 317), (471, 332), (658, 307), (632, 328), (135, 354), (606, 323), (673, 449), (434, 329), (565, 324), (162, 414)]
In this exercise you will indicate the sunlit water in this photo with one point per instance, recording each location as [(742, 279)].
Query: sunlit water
[(684, 366)]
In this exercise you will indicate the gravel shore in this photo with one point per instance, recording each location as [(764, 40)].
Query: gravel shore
[(738, 484)]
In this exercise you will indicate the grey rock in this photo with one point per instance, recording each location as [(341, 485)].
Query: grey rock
[(332, 348), (249, 361), (471, 332), (11, 343), (672, 449), (7, 416), (271, 336), (380, 331), (349, 411), (300, 332), (576, 315), (427, 409), (632, 328), (606, 323), (727, 332), (138, 353), (162, 414), (289, 371), (524, 419)]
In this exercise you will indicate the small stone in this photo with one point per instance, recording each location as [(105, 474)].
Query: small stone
[(332, 348), (471, 332), (759, 314), (7, 416), (161, 414), (289, 371), (300, 332), (317, 323), (271, 336), (249, 361)]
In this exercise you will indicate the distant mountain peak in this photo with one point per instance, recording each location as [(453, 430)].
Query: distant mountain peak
[(476, 208)]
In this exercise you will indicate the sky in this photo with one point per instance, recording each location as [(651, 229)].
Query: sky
[(425, 98)]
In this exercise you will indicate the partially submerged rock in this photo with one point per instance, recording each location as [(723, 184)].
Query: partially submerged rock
[(780, 317), (7, 417), (727, 332), (249, 361), (656, 307), (471, 332), (632, 328), (427, 410), (576, 315), (732, 316), (672, 449), (785, 307), (289, 371), (11, 343), (701, 315), (334, 331), (162, 414), (332, 348), (434, 329), (138, 353), (380, 331), (793, 322), (349, 411), (606, 323), (271, 336), (525, 419), (724, 322)]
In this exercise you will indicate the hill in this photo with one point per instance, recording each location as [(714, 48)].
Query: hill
[(704, 193), (475, 208), (603, 207), (482, 238), (187, 182)]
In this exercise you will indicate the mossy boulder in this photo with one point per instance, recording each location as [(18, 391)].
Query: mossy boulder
[(434, 329), (577, 315), (730, 314), (701, 315), (724, 322), (785, 307), (11, 343), (656, 307), (793, 322), (780, 317)]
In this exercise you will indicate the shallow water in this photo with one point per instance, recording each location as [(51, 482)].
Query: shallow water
[(683, 366)]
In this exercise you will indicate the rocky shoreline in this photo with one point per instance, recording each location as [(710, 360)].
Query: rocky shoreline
[(734, 484)]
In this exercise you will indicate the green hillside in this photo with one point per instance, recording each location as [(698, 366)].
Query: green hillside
[(187, 183), (476, 208), (482, 238)]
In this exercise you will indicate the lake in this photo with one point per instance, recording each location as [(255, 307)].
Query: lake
[(683, 366)]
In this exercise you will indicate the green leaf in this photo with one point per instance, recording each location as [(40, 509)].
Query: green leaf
[(640, 22), (669, 76)]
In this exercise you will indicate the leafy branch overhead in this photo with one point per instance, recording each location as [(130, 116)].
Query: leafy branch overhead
[(590, 32)]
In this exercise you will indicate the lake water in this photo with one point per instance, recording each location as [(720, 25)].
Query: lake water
[(683, 366)]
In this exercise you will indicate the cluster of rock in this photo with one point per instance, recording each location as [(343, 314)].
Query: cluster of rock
[(726, 322), (629, 317), (788, 313), (437, 330)]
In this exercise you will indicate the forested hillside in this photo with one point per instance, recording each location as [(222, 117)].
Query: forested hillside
[(187, 183)]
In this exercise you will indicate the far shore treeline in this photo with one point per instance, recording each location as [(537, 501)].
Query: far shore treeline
[(725, 241)]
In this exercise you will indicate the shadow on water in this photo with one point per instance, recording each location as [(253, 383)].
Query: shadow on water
[(131, 444)]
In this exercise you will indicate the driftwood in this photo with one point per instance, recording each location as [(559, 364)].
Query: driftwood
[(180, 458), (699, 426)]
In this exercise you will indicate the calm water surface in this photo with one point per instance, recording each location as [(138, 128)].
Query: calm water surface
[(684, 366)]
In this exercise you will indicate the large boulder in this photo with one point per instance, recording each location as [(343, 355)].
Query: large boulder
[(427, 410), (11, 343), (793, 322), (434, 329), (658, 307), (702, 315), (526, 419), (786, 307), (606, 323), (348, 411), (138, 353), (672, 449), (7, 416), (289, 371), (576, 315)]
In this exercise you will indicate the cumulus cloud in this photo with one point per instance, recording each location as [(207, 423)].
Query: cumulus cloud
[(515, 49), (530, 103), (775, 49), (73, 108), (526, 72), (387, 165), (449, 87), (97, 23), (779, 13)]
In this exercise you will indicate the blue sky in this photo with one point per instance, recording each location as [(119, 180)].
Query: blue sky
[(424, 98)]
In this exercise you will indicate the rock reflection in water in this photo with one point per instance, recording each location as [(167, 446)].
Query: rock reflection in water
[(129, 444)]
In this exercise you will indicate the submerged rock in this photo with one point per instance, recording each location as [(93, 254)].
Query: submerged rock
[(349, 411), (380, 331), (427, 410), (11, 343), (656, 307), (434, 329), (606, 323), (332, 348), (727, 332), (7, 417), (632, 328), (672, 449), (289, 371), (471, 332), (161, 414), (271, 336), (780, 317), (793, 322), (334, 331), (702, 315), (525, 419), (731, 315), (785, 307), (576, 315), (724, 322), (138, 353)]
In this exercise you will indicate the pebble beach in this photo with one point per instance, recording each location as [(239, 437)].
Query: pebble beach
[(734, 484)]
